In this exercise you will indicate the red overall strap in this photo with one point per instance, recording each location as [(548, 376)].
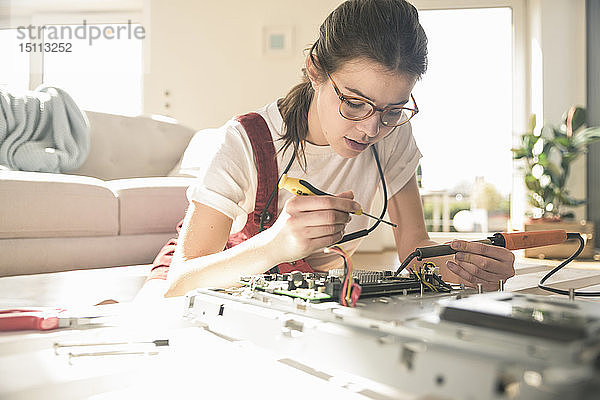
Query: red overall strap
[(266, 167)]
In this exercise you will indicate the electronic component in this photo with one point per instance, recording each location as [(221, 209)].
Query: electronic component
[(319, 287)]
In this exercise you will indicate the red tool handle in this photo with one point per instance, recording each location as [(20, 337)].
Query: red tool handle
[(27, 321), (524, 240)]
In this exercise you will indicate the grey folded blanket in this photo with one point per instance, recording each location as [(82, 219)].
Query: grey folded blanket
[(42, 131)]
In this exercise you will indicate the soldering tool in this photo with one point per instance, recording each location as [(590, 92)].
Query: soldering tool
[(300, 187), (510, 241), (514, 241)]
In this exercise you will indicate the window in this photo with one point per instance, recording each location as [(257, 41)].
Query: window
[(464, 128), (14, 74), (104, 74)]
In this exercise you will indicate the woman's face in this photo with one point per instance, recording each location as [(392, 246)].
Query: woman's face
[(360, 78)]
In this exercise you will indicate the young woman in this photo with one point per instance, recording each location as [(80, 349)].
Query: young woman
[(345, 121)]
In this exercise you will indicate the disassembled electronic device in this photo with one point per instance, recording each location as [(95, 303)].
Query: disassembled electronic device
[(416, 333), (457, 345)]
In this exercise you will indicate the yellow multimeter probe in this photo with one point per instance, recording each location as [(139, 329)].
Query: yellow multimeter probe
[(300, 187)]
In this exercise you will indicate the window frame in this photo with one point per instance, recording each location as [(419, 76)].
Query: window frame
[(65, 12), (520, 83), (71, 12), (36, 72)]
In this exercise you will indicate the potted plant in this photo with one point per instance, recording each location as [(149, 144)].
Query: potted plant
[(547, 155)]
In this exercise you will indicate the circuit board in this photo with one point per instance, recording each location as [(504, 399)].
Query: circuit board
[(321, 287)]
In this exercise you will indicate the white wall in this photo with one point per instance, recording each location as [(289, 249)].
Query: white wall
[(558, 28), (209, 55)]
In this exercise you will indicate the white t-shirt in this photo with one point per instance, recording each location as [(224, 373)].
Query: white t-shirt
[(223, 162)]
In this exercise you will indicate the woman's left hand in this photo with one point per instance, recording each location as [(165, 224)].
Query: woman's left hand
[(482, 263)]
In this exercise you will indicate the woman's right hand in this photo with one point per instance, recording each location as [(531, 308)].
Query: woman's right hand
[(309, 223)]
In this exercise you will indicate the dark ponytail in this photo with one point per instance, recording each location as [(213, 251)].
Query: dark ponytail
[(387, 32), (294, 109)]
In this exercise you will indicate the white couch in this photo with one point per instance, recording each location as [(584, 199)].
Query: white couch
[(119, 208)]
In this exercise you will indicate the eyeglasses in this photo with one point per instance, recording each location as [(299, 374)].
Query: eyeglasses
[(357, 109)]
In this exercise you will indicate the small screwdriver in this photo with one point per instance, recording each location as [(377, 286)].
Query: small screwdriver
[(300, 187)]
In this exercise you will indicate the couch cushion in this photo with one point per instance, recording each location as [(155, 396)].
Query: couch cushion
[(150, 205), (37, 205), (127, 147), (37, 255)]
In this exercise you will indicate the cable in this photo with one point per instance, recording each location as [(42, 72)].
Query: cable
[(344, 285), (365, 232), (561, 265), (356, 291), (350, 291), (421, 278), (406, 261), (385, 199), (341, 252), (441, 282), (263, 214), (418, 255), (429, 284), (350, 236)]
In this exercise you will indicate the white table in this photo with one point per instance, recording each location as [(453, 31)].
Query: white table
[(197, 362)]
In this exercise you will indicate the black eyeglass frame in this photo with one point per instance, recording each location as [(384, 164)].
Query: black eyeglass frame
[(383, 110)]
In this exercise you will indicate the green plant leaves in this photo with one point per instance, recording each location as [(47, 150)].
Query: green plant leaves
[(519, 153), (559, 150), (567, 200), (532, 123), (543, 159), (585, 137), (528, 141), (532, 183), (534, 202), (563, 142)]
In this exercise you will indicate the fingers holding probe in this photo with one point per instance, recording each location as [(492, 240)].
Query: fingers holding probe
[(309, 223), (480, 263), (300, 187)]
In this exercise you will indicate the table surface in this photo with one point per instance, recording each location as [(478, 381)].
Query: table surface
[(197, 361), (90, 287), (73, 288)]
